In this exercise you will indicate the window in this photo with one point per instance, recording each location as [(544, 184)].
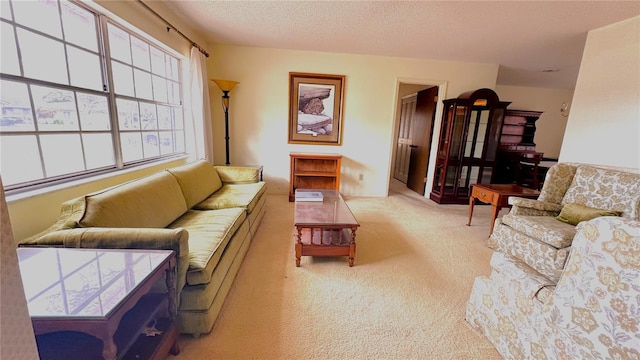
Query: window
[(81, 95)]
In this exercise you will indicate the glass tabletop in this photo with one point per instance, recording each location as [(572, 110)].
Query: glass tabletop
[(63, 282), (332, 210)]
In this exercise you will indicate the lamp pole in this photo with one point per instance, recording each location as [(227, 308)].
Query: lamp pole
[(225, 106), (226, 86)]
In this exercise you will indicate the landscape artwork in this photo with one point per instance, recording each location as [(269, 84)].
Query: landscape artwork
[(315, 108)]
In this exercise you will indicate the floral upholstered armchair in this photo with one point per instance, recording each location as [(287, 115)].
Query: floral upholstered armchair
[(540, 232), (592, 313)]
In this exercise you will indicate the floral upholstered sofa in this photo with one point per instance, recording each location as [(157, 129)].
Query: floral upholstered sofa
[(592, 313), (540, 232), (565, 277)]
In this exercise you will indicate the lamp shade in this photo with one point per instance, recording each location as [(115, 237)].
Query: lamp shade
[(225, 85)]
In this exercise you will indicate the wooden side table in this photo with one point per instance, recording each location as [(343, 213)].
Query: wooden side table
[(105, 293), (497, 195)]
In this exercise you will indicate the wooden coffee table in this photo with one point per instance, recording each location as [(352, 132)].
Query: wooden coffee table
[(497, 195), (326, 228), (105, 293)]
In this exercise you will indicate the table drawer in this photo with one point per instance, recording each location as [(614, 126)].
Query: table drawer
[(483, 195)]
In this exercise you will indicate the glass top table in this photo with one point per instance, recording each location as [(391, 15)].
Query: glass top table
[(62, 282), (102, 292), (325, 228)]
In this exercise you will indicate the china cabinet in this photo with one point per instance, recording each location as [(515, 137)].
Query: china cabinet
[(468, 142)]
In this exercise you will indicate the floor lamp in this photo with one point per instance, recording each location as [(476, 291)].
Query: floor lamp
[(226, 86)]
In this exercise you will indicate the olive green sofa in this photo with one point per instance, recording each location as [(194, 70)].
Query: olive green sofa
[(206, 214)]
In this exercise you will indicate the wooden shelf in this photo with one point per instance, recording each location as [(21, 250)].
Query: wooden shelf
[(314, 171), (132, 344)]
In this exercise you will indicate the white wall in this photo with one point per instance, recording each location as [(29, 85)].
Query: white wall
[(550, 128), (259, 108), (604, 122)]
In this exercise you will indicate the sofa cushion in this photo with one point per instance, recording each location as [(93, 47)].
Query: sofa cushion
[(151, 202), (605, 189), (576, 213), (209, 234), (542, 228), (197, 180), (234, 195), (556, 183)]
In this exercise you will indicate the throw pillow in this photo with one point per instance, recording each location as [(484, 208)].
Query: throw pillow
[(574, 213)]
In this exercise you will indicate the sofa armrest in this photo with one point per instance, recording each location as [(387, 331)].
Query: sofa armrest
[(239, 174), (522, 206), (125, 238)]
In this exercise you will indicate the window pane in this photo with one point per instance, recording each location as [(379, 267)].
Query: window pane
[(140, 52), (62, 154), (131, 144), (179, 141), (143, 84), (178, 123), (94, 112), (122, 79), (164, 117), (5, 10), (16, 108), (119, 44), (95, 150), (159, 89), (19, 159), (47, 20), (9, 61), (42, 58), (128, 115), (55, 108), (166, 143), (85, 69), (79, 26), (158, 66), (174, 92), (148, 116), (172, 67), (150, 144)]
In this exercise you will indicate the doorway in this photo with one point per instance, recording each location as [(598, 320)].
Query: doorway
[(414, 134)]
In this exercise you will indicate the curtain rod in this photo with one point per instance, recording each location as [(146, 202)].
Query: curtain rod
[(169, 27)]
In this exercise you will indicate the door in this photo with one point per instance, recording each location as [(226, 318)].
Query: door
[(421, 130), (403, 150)]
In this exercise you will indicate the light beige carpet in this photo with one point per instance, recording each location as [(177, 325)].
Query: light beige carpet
[(404, 298)]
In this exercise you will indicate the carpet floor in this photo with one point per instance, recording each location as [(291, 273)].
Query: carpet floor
[(404, 298)]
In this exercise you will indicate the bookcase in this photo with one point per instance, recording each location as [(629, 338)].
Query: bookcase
[(314, 171)]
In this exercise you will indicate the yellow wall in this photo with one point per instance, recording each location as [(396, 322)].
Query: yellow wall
[(259, 107), (604, 122)]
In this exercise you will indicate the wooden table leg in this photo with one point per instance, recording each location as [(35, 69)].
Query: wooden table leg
[(298, 246), (352, 247), (471, 203)]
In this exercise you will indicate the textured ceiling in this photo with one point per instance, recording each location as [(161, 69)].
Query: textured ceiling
[(523, 37)]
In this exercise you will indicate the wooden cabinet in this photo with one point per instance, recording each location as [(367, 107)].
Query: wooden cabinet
[(517, 159), (468, 143), (314, 171)]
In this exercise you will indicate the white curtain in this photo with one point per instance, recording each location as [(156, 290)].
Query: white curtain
[(199, 127)]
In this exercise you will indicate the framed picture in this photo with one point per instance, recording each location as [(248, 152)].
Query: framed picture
[(315, 108)]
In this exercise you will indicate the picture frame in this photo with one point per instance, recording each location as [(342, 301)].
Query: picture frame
[(315, 108)]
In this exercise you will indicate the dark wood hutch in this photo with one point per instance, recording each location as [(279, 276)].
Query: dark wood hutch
[(517, 158), (468, 143)]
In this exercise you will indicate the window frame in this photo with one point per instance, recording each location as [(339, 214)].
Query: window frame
[(102, 20)]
